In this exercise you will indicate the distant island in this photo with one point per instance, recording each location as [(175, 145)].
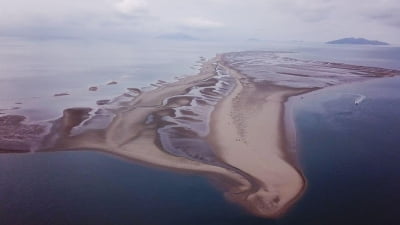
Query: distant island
[(357, 41), (254, 40)]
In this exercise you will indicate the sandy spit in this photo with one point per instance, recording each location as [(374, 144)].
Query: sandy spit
[(247, 132), (248, 148), (130, 137)]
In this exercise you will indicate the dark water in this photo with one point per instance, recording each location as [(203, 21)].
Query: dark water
[(92, 188), (350, 155)]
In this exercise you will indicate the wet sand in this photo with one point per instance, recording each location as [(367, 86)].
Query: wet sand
[(227, 121), (133, 133)]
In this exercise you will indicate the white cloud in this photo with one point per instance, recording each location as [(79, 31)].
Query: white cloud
[(131, 6), (201, 23)]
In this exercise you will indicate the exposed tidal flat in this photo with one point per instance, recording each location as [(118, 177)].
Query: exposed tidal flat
[(168, 126), (352, 176)]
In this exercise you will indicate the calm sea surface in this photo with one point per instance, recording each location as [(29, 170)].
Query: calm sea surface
[(349, 153)]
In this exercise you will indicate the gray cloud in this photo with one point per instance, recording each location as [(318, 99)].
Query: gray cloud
[(385, 15), (201, 23), (312, 20)]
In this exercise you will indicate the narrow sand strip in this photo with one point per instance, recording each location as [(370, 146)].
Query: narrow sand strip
[(247, 133)]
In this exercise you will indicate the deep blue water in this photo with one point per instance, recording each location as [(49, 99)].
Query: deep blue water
[(91, 188), (350, 155)]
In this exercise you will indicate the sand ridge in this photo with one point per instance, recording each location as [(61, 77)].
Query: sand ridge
[(246, 132)]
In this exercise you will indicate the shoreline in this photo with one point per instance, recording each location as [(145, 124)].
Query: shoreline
[(271, 198), (250, 131)]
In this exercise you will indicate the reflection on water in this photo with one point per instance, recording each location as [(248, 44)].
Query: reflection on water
[(32, 72)]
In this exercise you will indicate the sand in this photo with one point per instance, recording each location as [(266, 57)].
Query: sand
[(128, 135), (245, 148), (247, 133)]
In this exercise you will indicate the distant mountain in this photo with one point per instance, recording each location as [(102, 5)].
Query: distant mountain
[(177, 36), (254, 40), (357, 41)]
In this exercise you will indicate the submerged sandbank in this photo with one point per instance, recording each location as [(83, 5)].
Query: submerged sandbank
[(227, 121)]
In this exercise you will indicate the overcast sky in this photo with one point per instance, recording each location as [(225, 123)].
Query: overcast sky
[(308, 20)]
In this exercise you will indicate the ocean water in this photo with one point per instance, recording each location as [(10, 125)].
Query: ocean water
[(32, 72), (90, 188), (375, 56), (349, 153)]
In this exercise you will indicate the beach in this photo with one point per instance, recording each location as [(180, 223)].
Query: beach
[(249, 160), (227, 122), (247, 133)]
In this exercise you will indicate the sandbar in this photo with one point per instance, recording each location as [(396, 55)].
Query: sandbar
[(227, 122)]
